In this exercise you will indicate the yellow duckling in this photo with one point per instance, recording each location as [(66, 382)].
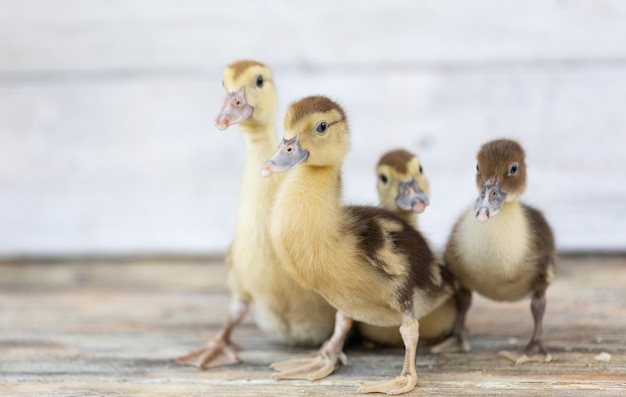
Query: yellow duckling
[(283, 309), (368, 263)]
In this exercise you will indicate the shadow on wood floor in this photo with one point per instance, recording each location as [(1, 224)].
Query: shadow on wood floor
[(111, 328)]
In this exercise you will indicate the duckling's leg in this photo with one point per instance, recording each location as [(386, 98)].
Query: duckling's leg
[(408, 378), (324, 362), (220, 350), (458, 339), (538, 309)]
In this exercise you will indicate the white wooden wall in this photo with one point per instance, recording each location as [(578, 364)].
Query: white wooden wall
[(106, 108)]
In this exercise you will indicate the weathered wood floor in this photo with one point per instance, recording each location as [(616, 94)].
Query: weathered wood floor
[(113, 329)]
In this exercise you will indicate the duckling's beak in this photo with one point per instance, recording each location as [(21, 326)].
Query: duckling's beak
[(411, 197), (234, 110), (288, 154), (489, 202)]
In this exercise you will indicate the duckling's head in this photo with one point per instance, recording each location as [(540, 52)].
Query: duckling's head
[(249, 96), (316, 133), (500, 176), (402, 183)]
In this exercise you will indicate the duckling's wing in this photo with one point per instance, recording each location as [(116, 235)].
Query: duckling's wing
[(397, 250), (543, 244), (377, 231)]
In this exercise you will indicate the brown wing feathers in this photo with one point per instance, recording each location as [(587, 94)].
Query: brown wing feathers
[(380, 230)]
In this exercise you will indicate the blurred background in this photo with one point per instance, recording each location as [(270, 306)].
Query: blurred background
[(107, 143)]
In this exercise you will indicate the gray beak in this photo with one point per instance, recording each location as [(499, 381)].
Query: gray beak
[(411, 197), (234, 110), (288, 154), (489, 202)]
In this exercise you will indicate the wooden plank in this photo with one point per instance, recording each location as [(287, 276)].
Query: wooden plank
[(109, 328), (40, 37)]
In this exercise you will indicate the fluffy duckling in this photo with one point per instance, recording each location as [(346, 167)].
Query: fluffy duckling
[(403, 188), (283, 309), (368, 263), (402, 184), (501, 248)]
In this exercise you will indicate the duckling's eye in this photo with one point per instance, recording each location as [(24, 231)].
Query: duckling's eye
[(259, 81), (384, 179), (321, 127), (513, 169), (477, 169), (421, 170)]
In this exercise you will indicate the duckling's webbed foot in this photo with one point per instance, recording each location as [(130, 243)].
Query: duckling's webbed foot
[(408, 378), (322, 363), (453, 343), (317, 367), (220, 350), (458, 339), (534, 352), (400, 385)]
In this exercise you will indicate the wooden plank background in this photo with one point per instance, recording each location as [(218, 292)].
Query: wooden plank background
[(114, 329), (106, 108)]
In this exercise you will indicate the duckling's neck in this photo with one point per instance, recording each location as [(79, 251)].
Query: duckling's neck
[(261, 142), (409, 217), (256, 194), (255, 130), (306, 221)]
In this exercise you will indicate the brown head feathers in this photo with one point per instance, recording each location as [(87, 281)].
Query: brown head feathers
[(241, 66), (396, 159), (313, 104), (502, 160)]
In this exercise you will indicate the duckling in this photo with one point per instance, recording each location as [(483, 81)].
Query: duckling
[(403, 188), (402, 184), (501, 248), (368, 263), (283, 310)]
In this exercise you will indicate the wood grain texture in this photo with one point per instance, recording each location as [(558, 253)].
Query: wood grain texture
[(114, 329)]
